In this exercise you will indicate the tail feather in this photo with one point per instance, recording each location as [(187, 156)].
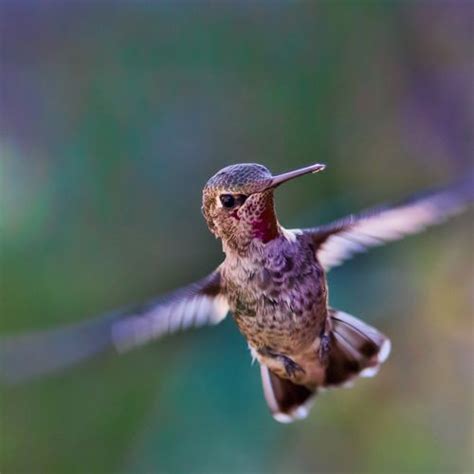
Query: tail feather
[(357, 349), (287, 401)]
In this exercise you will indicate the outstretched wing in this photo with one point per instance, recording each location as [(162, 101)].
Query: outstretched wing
[(338, 241), (33, 354)]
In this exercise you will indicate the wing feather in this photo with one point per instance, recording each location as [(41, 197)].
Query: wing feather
[(197, 305), (340, 240), (36, 353)]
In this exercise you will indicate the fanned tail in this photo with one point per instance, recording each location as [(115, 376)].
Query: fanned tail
[(287, 401), (356, 349)]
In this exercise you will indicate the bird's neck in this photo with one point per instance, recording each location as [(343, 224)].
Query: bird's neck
[(254, 231), (265, 227)]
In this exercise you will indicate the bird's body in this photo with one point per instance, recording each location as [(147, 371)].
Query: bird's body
[(272, 280), (278, 298)]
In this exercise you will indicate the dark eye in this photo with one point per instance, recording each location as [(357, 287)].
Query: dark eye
[(227, 200)]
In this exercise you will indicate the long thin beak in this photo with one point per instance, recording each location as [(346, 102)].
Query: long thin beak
[(283, 178)]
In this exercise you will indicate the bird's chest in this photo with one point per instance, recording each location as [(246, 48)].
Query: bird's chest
[(278, 300)]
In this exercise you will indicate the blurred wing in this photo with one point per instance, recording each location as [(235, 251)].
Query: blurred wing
[(196, 305), (33, 354), (340, 240)]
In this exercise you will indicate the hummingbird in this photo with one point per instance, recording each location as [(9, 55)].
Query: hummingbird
[(272, 281)]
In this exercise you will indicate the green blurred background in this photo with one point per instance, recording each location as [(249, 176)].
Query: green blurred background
[(113, 116)]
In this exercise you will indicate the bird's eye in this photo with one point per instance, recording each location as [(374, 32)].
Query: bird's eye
[(232, 200), (227, 200)]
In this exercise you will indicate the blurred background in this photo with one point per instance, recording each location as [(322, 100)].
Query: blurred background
[(114, 114)]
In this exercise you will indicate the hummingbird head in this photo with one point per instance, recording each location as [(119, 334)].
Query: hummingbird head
[(238, 203)]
